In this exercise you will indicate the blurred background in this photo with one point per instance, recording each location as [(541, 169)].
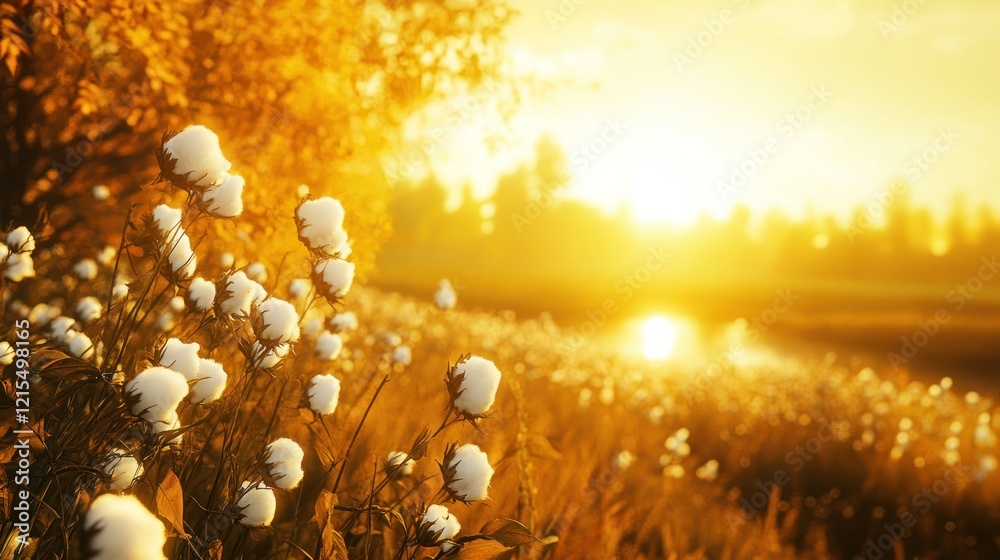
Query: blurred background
[(662, 175)]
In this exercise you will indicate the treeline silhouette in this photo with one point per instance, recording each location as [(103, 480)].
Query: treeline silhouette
[(529, 238)]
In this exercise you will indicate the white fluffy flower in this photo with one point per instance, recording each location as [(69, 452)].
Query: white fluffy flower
[(176, 304), (467, 473), (198, 156), (397, 458), (257, 272), (88, 309), (324, 393), (347, 321), (180, 357), (239, 294), (42, 314), (283, 460), (167, 221), (321, 225), (165, 321), (200, 294), (100, 192), (334, 277), (4, 252), (438, 525), (265, 357), (121, 528), (181, 258), (473, 386), (154, 395), (227, 260), (277, 322), (224, 200), (211, 381), (106, 256), (81, 346), (312, 325), (86, 269), (402, 355), (120, 291), (6, 354), (328, 346), (121, 468), (256, 504), (20, 240), (62, 329), (299, 287), (19, 266), (445, 297)]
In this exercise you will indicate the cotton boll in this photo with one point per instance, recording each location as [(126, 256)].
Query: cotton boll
[(81, 346), (180, 357), (299, 287), (344, 250), (266, 358), (165, 321), (62, 329), (328, 346), (88, 309), (397, 458), (120, 291), (6, 354), (239, 294), (20, 240), (283, 460), (333, 277), (256, 504), (392, 339), (4, 252), (155, 393), (106, 256), (437, 525), (302, 190), (200, 294), (321, 225), (312, 327), (19, 266), (324, 393), (197, 156), (467, 472), (42, 314), (445, 297), (176, 304), (276, 322), (402, 355), (182, 260), (227, 260), (344, 322), (473, 385), (211, 384), (120, 528), (257, 272), (100, 192), (122, 469), (226, 199), (85, 270), (167, 221)]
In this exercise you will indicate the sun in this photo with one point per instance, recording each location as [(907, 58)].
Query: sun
[(659, 335)]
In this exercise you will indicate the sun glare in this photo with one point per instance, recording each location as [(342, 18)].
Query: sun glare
[(659, 335)]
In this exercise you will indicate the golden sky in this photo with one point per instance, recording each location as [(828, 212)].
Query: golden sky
[(821, 103)]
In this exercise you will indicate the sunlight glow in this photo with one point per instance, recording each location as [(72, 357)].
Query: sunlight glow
[(659, 335)]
